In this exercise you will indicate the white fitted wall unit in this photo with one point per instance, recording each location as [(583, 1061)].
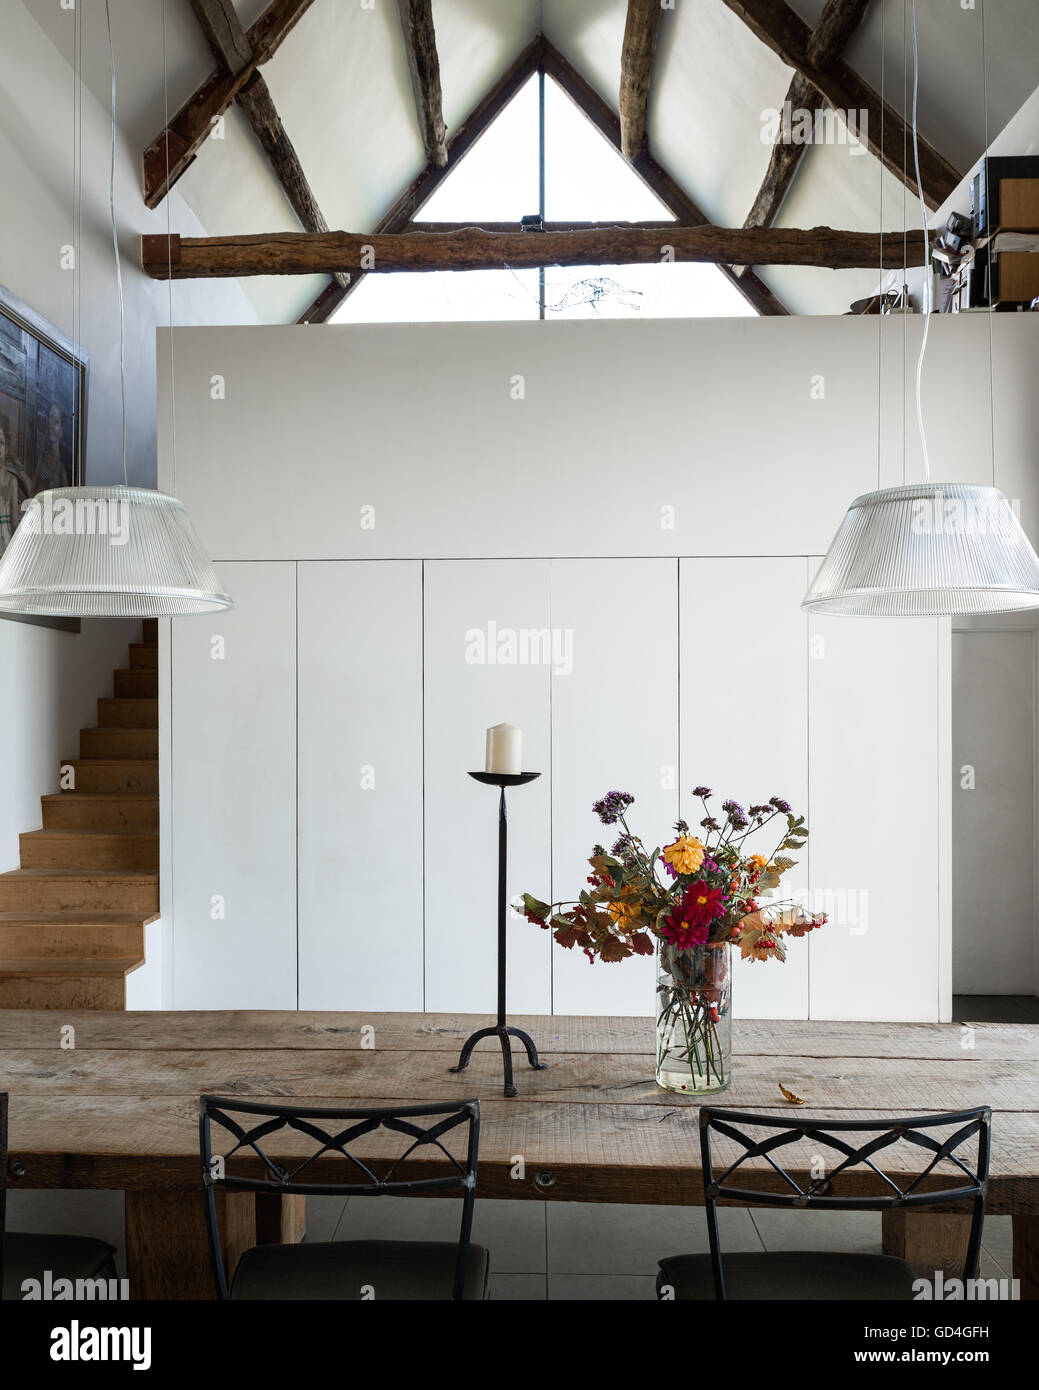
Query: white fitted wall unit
[(395, 506), (994, 938), (614, 725), (359, 740), (745, 728), (232, 797), (879, 759), (475, 613)]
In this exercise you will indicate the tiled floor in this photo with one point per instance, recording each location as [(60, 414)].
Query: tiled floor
[(539, 1250)]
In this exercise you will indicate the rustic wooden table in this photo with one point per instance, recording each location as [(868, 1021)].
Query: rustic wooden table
[(113, 1104)]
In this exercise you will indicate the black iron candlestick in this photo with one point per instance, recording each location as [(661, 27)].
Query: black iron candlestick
[(502, 1030)]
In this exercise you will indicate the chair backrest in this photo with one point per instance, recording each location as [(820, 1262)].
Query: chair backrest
[(861, 1147), (332, 1136)]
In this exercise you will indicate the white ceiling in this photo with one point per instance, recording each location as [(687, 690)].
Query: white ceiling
[(341, 86)]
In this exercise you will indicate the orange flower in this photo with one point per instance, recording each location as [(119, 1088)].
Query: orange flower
[(685, 855), (622, 911)]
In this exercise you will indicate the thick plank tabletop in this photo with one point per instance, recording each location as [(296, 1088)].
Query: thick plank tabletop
[(106, 1099)]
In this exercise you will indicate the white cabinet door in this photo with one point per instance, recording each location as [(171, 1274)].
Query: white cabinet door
[(233, 796), (614, 726), (879, 756), (485, 626), (360, 785), (745, 728)]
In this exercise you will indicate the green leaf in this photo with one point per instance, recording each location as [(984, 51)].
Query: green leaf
[(536, 906)]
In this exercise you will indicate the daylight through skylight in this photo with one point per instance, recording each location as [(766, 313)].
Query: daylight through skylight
[(586, 180)]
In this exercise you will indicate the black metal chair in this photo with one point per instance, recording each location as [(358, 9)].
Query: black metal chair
[(382, 1269), (811, 1275), (25, 1256)]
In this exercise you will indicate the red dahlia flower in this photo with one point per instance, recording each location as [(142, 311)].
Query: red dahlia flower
[(702, 904), (680, 933), (690, 923)]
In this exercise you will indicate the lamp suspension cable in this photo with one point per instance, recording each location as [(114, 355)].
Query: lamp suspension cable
[(115, 242), (991, 351), (880, 246), (169, 257), (927, 253)]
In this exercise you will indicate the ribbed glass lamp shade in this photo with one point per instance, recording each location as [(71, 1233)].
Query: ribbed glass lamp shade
[(927, 550), (109, 552)]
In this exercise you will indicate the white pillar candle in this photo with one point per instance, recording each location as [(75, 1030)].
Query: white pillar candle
[(504, 750)]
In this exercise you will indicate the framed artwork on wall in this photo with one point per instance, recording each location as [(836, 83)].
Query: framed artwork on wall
[(43, 398)]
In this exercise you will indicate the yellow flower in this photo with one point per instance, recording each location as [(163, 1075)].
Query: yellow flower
[(759, 861), (685, 856)]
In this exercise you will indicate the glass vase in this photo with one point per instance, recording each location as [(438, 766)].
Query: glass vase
[(694, 1018)]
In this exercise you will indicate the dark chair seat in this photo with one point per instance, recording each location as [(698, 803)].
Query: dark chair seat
[(393, 1269), (790, 1275), (28, 1256)]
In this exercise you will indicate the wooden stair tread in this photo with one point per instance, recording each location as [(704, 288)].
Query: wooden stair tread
[(75, 917), (117, 742), (88, 965), (124, 875), (105, 797), (119, 729), (107, 762), (80, 831)]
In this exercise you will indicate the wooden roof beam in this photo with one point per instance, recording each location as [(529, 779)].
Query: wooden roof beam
[(230, 43), (420, 42), (837, 23), (657, 179), (473, 248), (640, 41), (885, 132), (421, 189), (174, 149)]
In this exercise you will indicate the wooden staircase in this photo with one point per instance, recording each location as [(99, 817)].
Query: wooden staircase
[(72, 918)]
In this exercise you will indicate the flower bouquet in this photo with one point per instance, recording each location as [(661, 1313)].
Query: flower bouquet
[(696, 897)]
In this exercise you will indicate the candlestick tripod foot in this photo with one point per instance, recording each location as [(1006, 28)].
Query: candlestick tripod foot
[(528, 1043), (502, 1032)]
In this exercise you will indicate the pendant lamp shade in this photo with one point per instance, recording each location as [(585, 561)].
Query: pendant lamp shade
[(109, 552), (927, 550)]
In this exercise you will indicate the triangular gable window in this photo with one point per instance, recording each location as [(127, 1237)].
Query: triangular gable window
[(585, 180)]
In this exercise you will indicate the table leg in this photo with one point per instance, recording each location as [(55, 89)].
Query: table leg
[(928, 1240), (280, 1220), (1026, 1255), (167, 1244)]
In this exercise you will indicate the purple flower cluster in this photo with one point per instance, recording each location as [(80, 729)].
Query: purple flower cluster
[(736, 814), (780, 805), (624, 850), (702, 792), (612, 806)]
